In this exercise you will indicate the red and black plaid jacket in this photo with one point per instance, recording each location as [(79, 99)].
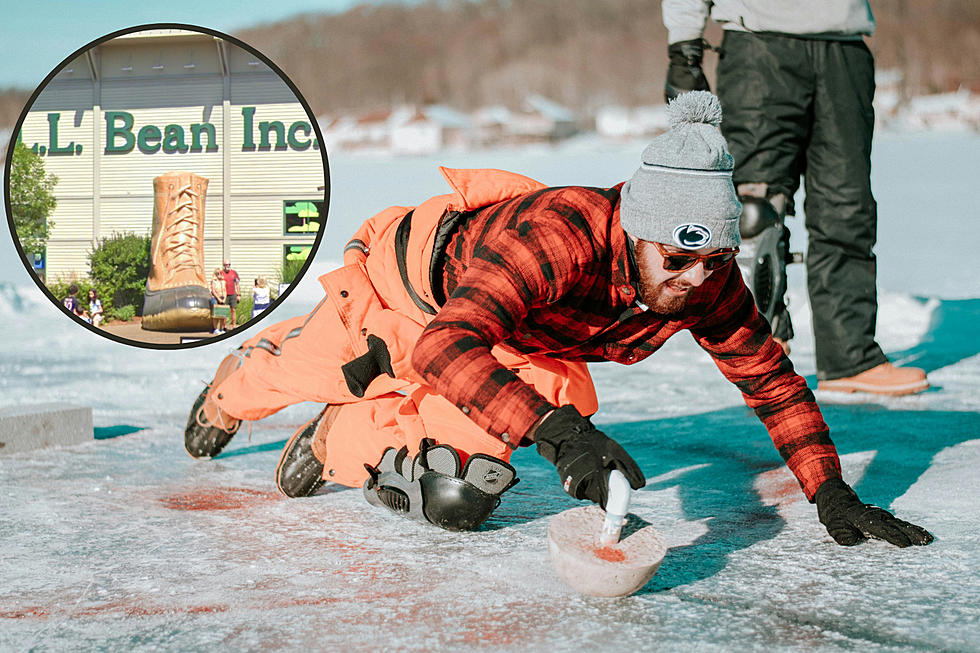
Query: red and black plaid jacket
[(549, 273)]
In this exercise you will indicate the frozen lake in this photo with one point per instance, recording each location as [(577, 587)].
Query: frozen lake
[(126, 543)]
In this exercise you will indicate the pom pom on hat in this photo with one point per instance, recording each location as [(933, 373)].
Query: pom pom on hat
[(694, 107)]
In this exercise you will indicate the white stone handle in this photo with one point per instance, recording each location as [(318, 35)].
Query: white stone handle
[(617, 505)]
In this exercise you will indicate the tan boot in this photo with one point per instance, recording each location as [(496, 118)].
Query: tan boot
[(885, 379), (177, 296), (300, 469), (209, 429)]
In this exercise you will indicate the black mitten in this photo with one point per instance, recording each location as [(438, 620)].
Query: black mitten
[(850, 521), (584, 455)]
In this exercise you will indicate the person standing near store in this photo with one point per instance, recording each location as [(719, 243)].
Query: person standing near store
[(261, 296), (796, 83), (95, 310), (71, 301), (232, 291), (218, 297)]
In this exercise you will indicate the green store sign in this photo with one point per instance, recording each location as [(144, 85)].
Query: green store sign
[(122, 136)]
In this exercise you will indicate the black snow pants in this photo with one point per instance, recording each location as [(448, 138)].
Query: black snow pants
[(796, 106)]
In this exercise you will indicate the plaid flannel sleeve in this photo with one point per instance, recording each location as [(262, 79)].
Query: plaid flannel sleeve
[(740, 342), (529, 266)]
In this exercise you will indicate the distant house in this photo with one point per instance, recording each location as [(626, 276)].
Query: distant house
[(336, 131), (888, 96), (403, 130), (371, 130), (541, 120), (945, 111), (490, 125), (429, 130)]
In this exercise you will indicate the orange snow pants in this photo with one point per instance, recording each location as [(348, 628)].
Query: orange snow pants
[(300, 359)]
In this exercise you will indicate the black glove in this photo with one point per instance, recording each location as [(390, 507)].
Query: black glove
[(850, 521), (365, 368), (684, 72), (584, 455)]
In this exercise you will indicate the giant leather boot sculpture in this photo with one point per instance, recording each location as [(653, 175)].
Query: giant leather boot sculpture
[(177, 295)]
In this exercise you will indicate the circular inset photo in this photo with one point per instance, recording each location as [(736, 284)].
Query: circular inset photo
[(167, 185)]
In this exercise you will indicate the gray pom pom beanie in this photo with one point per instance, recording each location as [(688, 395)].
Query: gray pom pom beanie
[(682, 194)]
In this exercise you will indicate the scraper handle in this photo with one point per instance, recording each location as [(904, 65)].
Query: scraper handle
[(617, 505)]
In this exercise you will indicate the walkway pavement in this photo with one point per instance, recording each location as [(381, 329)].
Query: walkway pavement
[(135, 332)]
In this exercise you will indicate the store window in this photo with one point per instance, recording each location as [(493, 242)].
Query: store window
[(301, 217), (293, 259)]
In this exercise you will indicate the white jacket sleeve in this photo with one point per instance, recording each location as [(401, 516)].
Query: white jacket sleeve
[(685, 19)]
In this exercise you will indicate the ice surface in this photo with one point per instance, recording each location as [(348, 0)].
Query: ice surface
[(126, 543)]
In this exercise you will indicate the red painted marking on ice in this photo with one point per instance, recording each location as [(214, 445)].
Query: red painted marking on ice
[(778, 487), (316, 600), (128, 608), (219, 498), (22, 613), (138, 609), (610, 554), (197, 609)]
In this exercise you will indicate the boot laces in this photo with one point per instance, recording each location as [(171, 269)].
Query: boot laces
[(180, 239)]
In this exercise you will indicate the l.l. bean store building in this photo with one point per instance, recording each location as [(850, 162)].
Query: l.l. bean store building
[(146, 103)]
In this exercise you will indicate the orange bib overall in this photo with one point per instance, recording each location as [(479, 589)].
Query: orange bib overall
[(300, 359)]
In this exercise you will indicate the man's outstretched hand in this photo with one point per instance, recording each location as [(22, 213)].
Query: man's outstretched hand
[(583, 455), (849, 520)]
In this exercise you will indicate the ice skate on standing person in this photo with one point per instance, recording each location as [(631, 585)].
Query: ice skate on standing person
[(796, 82), (460, 329)]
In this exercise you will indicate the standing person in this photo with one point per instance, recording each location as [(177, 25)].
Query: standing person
[(71, 301), (96, 314), (218, 296), (460, 329), (232, 291), (261, 297), (796, 82)]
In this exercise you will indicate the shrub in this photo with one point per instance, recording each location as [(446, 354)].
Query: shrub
[(291, 269), (124, 313), (120, 265), (243, 313)]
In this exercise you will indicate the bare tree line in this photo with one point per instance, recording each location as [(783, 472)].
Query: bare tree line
[(581, 53)]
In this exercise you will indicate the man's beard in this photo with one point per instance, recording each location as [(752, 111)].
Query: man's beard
[(655, 295)]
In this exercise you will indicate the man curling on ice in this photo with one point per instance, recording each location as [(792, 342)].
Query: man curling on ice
[(459, 330)]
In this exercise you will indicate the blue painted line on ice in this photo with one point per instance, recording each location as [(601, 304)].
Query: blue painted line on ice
[(257, 448), (109, 432)]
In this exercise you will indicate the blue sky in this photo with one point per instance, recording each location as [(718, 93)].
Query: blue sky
[(36, 36)]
